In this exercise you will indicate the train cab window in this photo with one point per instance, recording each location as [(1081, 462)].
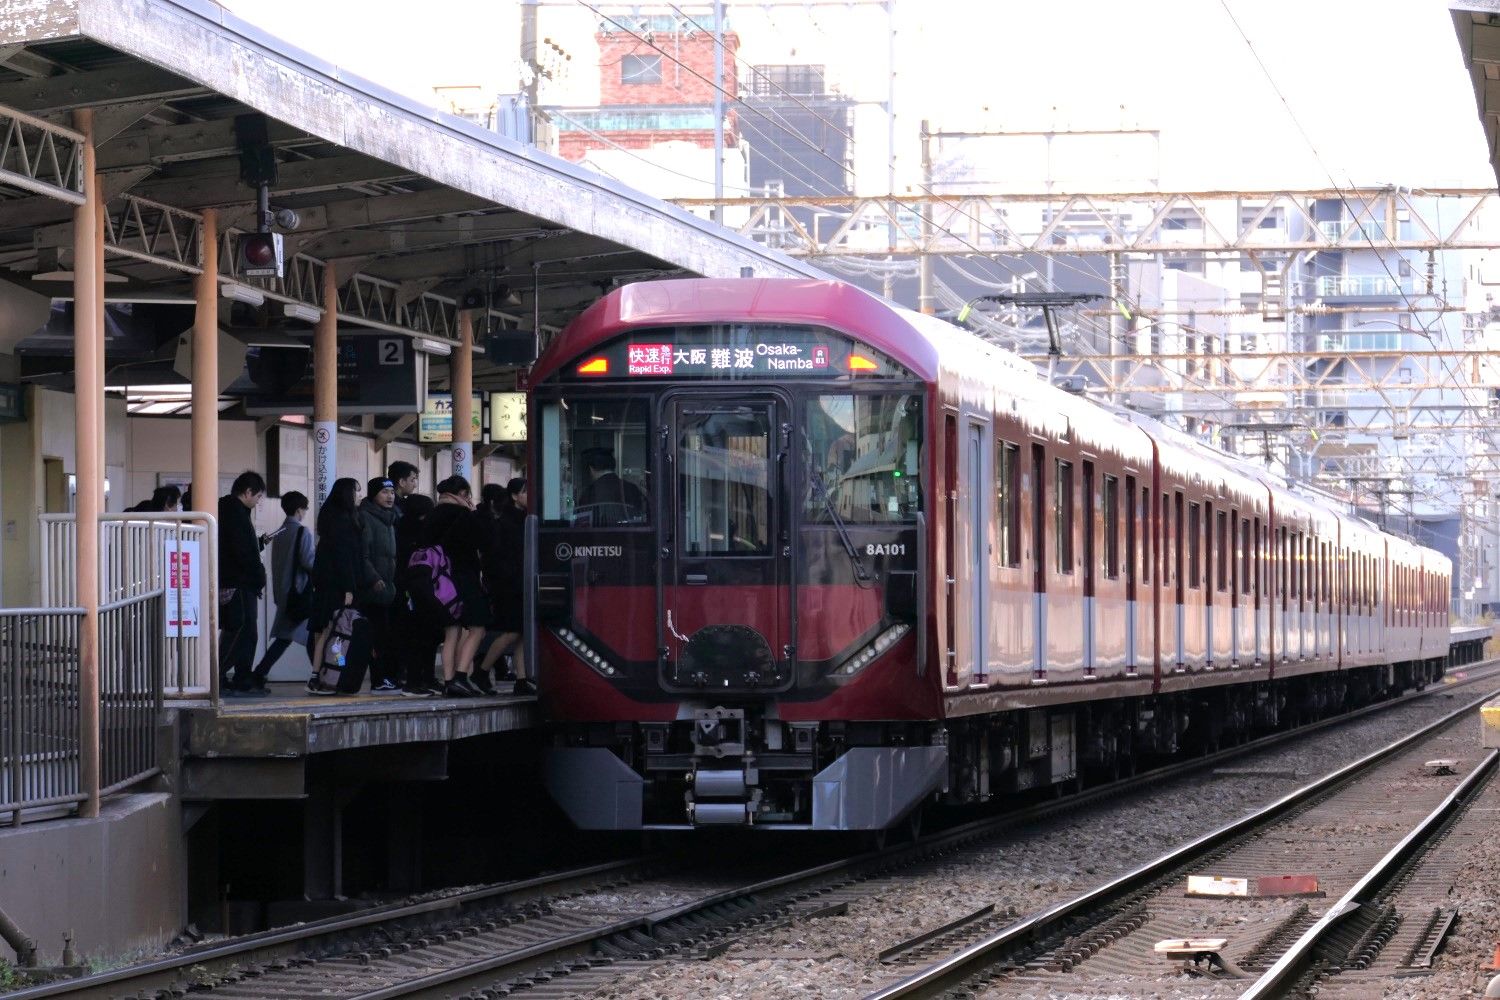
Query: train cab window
[(724, 476), (1008, 507), (1063, 515), (595, 462), (863, 453), (1195, 545), (1112, 527)]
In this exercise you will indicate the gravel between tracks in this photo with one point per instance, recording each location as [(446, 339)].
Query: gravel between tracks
[(836, 956)]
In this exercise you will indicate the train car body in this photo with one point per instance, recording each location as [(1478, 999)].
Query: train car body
[(806, 560)]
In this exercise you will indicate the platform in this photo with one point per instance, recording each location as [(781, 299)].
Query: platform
[(1466, 643), (261, 747)]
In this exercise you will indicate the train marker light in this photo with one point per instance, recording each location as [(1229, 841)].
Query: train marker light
[(860, 363), (594, 366)]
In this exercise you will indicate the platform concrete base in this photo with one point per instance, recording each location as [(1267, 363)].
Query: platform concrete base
[(116, 881)]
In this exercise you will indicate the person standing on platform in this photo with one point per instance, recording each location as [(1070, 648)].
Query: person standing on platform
[(407, 480), (414, 639), (377, 585), (504, 511), (242, 579), (291, 585), (336, 569), (455, 528)]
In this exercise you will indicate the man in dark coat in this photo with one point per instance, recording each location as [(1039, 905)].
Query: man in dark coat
[(242, 579), (377, 583), (607, 499)]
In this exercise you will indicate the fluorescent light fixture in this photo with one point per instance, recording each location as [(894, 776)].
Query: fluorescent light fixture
[(302, 311), (437, 347), (110, 278), (237, 292)]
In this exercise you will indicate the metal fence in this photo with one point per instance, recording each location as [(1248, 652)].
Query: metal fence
[(132, 647), (136, 559), (39, 746)]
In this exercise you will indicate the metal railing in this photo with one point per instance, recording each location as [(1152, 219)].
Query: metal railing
[(1353, 286), (132, 649), (39, 721), (136, 556)]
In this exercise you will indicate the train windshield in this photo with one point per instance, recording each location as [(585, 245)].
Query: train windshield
[(863, 457), (596, 461)]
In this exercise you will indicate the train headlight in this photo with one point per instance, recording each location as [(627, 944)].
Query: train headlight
[(580, 648), (867, 655)]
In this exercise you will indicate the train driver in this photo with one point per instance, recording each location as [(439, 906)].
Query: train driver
[(607, 499)]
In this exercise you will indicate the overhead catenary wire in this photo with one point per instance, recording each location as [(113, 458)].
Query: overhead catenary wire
[(1411, 307)]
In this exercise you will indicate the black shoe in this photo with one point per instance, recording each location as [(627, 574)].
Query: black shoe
[(468, 682), (384, 687), (436, 686), (482, 682), (254, 692), (417, 692), (454, 689), (524, 687), (322, 690)]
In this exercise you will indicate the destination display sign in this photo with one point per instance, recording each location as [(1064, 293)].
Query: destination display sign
[(732, 352)]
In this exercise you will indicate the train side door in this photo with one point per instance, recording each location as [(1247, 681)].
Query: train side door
[(725, 547)]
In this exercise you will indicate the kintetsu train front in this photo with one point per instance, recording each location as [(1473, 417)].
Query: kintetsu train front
[(731, 559)]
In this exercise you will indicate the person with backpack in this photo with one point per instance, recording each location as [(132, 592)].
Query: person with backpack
[(291, 586), (414, 637), (336, 568), (446, 583), (377, 584)]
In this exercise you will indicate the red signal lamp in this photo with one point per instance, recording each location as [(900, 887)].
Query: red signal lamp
[(260, 255), (594, 366), (860, 363)]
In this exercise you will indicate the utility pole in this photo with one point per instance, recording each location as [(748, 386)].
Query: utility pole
[(718, 209), (531, 57), (924, 259)]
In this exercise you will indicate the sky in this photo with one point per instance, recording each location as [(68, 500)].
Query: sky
[(1353, 92)]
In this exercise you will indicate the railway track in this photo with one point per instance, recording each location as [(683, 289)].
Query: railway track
[(569, 933), (1362, 831)]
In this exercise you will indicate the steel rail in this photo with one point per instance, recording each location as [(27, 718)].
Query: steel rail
[(295, 941), (655, 929), (1275, 980), (951, 972), (200, 962)]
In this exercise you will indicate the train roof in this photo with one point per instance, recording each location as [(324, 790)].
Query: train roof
[(835, 305)]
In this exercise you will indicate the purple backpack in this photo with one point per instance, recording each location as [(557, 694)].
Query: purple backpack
[(430, 582)]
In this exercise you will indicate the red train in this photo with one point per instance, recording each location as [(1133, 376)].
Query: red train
[(806, 560)]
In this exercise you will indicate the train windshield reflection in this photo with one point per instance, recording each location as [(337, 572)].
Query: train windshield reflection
[(864, 450)]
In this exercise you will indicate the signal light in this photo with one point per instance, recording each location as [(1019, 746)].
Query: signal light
[(860, 363), (594, 366), (260, 255)]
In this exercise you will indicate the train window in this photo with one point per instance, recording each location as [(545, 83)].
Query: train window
[(1130, 532), (1145, 535), (1245, 548), (1008, 487), (1063, 515), (1112, 527), (1177, 547), (1221, 552), (1195, 544), (863, 449), (595, 461), (723, 477)]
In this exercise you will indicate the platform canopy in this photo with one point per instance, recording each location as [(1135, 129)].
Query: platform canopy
[(411, 206), (1477, 23)]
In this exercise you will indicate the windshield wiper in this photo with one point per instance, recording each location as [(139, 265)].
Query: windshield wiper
[(861, 575)]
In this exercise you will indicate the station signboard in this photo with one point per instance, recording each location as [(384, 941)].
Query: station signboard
[(377, 375), (435, 422)]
